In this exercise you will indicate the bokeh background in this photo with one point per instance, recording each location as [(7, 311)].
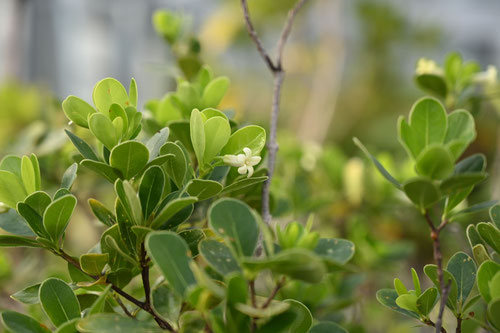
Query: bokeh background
[(350, 72)]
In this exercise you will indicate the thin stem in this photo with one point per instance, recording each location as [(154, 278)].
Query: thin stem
[(143, 305), (459, 325), (124, 308), (438, 258), (276, 69), (279, 285), (252, 293), (431, 323), (145, 274)]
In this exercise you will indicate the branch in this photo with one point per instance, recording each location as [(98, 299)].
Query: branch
[(431, 323), (276, 69), (438, 258), (143, 305), (279, 285), (459, 324)]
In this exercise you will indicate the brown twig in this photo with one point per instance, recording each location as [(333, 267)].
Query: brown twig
[(276, 69), (438, 258), (143, 305), (252, 293), (459, 324), (431, 323), (124, 308), (278, 286)]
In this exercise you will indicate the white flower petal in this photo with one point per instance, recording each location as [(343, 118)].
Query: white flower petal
[(250, 171), (242, 169), (254, 160)]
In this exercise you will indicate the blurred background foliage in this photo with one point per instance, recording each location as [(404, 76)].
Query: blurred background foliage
[(350, 72)]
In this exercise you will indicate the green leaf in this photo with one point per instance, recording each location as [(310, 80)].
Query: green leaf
[(400, 287), (166, 303), (77, 110), (217, 133), (253, 137), (36, 168), (335, 251), (11, 189), (176, 167), (416, 282), (461, 131), (461, 181), (129, 157), (109, 91), (57, 215), (432, 83), (235, 221), (480, 253), (494, 313), (121, 125), (431, 272), (243, 183), (495, 286), (490, 234), (15, 241), (485, 274), (197, 133), (214, 92), (34, 220), (495, 215), (156, 142), (61, 193), (151, 190), (472, 209), (237, 289), (463, 269), (58, 301), (473, 236), (173, 207), (120, 277), (296, 263), (211, 112), (28, 295), (13, 223), (192, 237), (69, 176), (19, 323), (471, 164), (93, 263), (303, 318), (426, 301), (103, 129), (68, 327), (130, 202), (133, 92), (99, 304), (422, 192), (327, 327), (387, 297), (102, 213), (218, 256), (435, 161), (170, 253), (82, 146), (274, 308), (429, 121), (408, 302), (378, 165), (115, 323), (203, 188), (28, 175)]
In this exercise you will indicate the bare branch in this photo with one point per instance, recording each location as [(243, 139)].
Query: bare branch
[(276, 69)]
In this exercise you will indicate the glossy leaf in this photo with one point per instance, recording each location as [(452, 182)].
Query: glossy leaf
[(130, 202), (58, 301), (11, 189), (461, 181), (335, 251), (219, 257), (387, 297), (303, 318), (214, 92), (93, 263), (69, 176), (203, 188), (151, 189), (28, 295), (495, 215), (77, 110), (103, 129), (20, 323), (253, 137), (235, 221), (132, 91), (156, 142), (175, 167), (129, 157), (490, 234), (166, 303), (83, 147), (13, 223), (192, 237), (431, 272), (170, 253), (461, 131), (107, 92), (197, 133), (102, 169), (217, 132), (244, 183), (463, 269), (426, 301), (378, 165), (422, 192), (15, 241), (435, 161), (57, 215), (102, 213), (485, 274)]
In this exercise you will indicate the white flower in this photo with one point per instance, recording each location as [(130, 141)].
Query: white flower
[(244, 162), (489, 76), (427, 66)]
